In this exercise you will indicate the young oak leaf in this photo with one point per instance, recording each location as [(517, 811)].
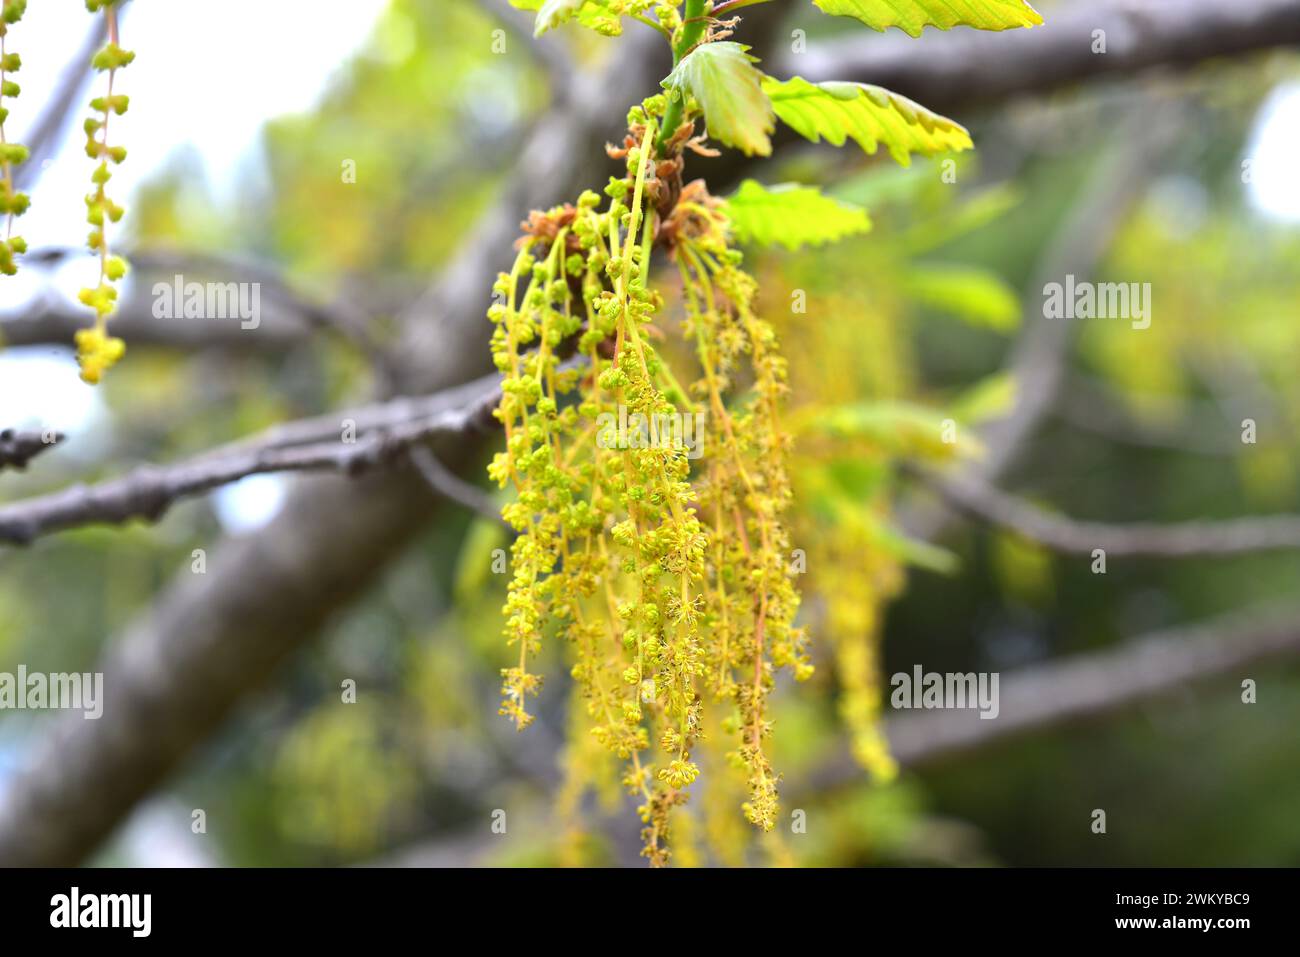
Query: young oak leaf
[(791, 215), (869, 114), (594, 14), (912, 16), (550, 13), (730, 90)]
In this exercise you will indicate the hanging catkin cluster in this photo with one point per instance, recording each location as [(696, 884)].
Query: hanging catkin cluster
[(649, 513), (12, 203), (96, 349)]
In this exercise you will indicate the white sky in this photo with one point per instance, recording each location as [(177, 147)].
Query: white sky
[(1274, 156), (206, 77)]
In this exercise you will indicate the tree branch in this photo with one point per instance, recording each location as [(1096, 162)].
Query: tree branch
[(1089, 686), (971, 496), (443, 481), (947, 71), (1098, 408), (46, 132), (20, 446), (315, 444), (287, 317)]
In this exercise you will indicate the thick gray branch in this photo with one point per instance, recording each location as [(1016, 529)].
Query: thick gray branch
[(946, 71)]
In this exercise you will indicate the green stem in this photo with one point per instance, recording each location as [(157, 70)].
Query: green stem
[(654, 25), (693, 24)]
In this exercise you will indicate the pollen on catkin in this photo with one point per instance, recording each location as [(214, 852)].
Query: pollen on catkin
[(660, 566), (12, 203), (98, 351)]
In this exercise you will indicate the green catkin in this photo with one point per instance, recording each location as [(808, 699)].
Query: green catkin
[(12, 204), (97, 351), (664, 575)]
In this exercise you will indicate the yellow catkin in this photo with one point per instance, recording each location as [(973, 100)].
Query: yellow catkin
[(658, 558)]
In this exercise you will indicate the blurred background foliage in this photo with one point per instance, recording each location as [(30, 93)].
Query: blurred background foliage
[(901, 328)]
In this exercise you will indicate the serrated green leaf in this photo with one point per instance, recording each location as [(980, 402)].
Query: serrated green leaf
[(869, 114), (791, 215), (978, 296), (729, 88), (912, 16)]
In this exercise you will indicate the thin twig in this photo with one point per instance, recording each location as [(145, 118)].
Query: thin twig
[(47, 323), (149, 491), (20, 446), (451, 486), (1097, 408), (972, 496), (1090, 685)]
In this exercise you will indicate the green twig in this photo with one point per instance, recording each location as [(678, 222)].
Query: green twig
[(693, 24)]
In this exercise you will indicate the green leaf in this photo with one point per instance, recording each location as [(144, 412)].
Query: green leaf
[(729, 88), (474, 563), (869, 114), (791, 215), (552, 13), (898, 429), (878, 186), (912, 16), (855, 478), (978, 296), (594, 14), (989, 398), (914, 551), (970, 214)]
